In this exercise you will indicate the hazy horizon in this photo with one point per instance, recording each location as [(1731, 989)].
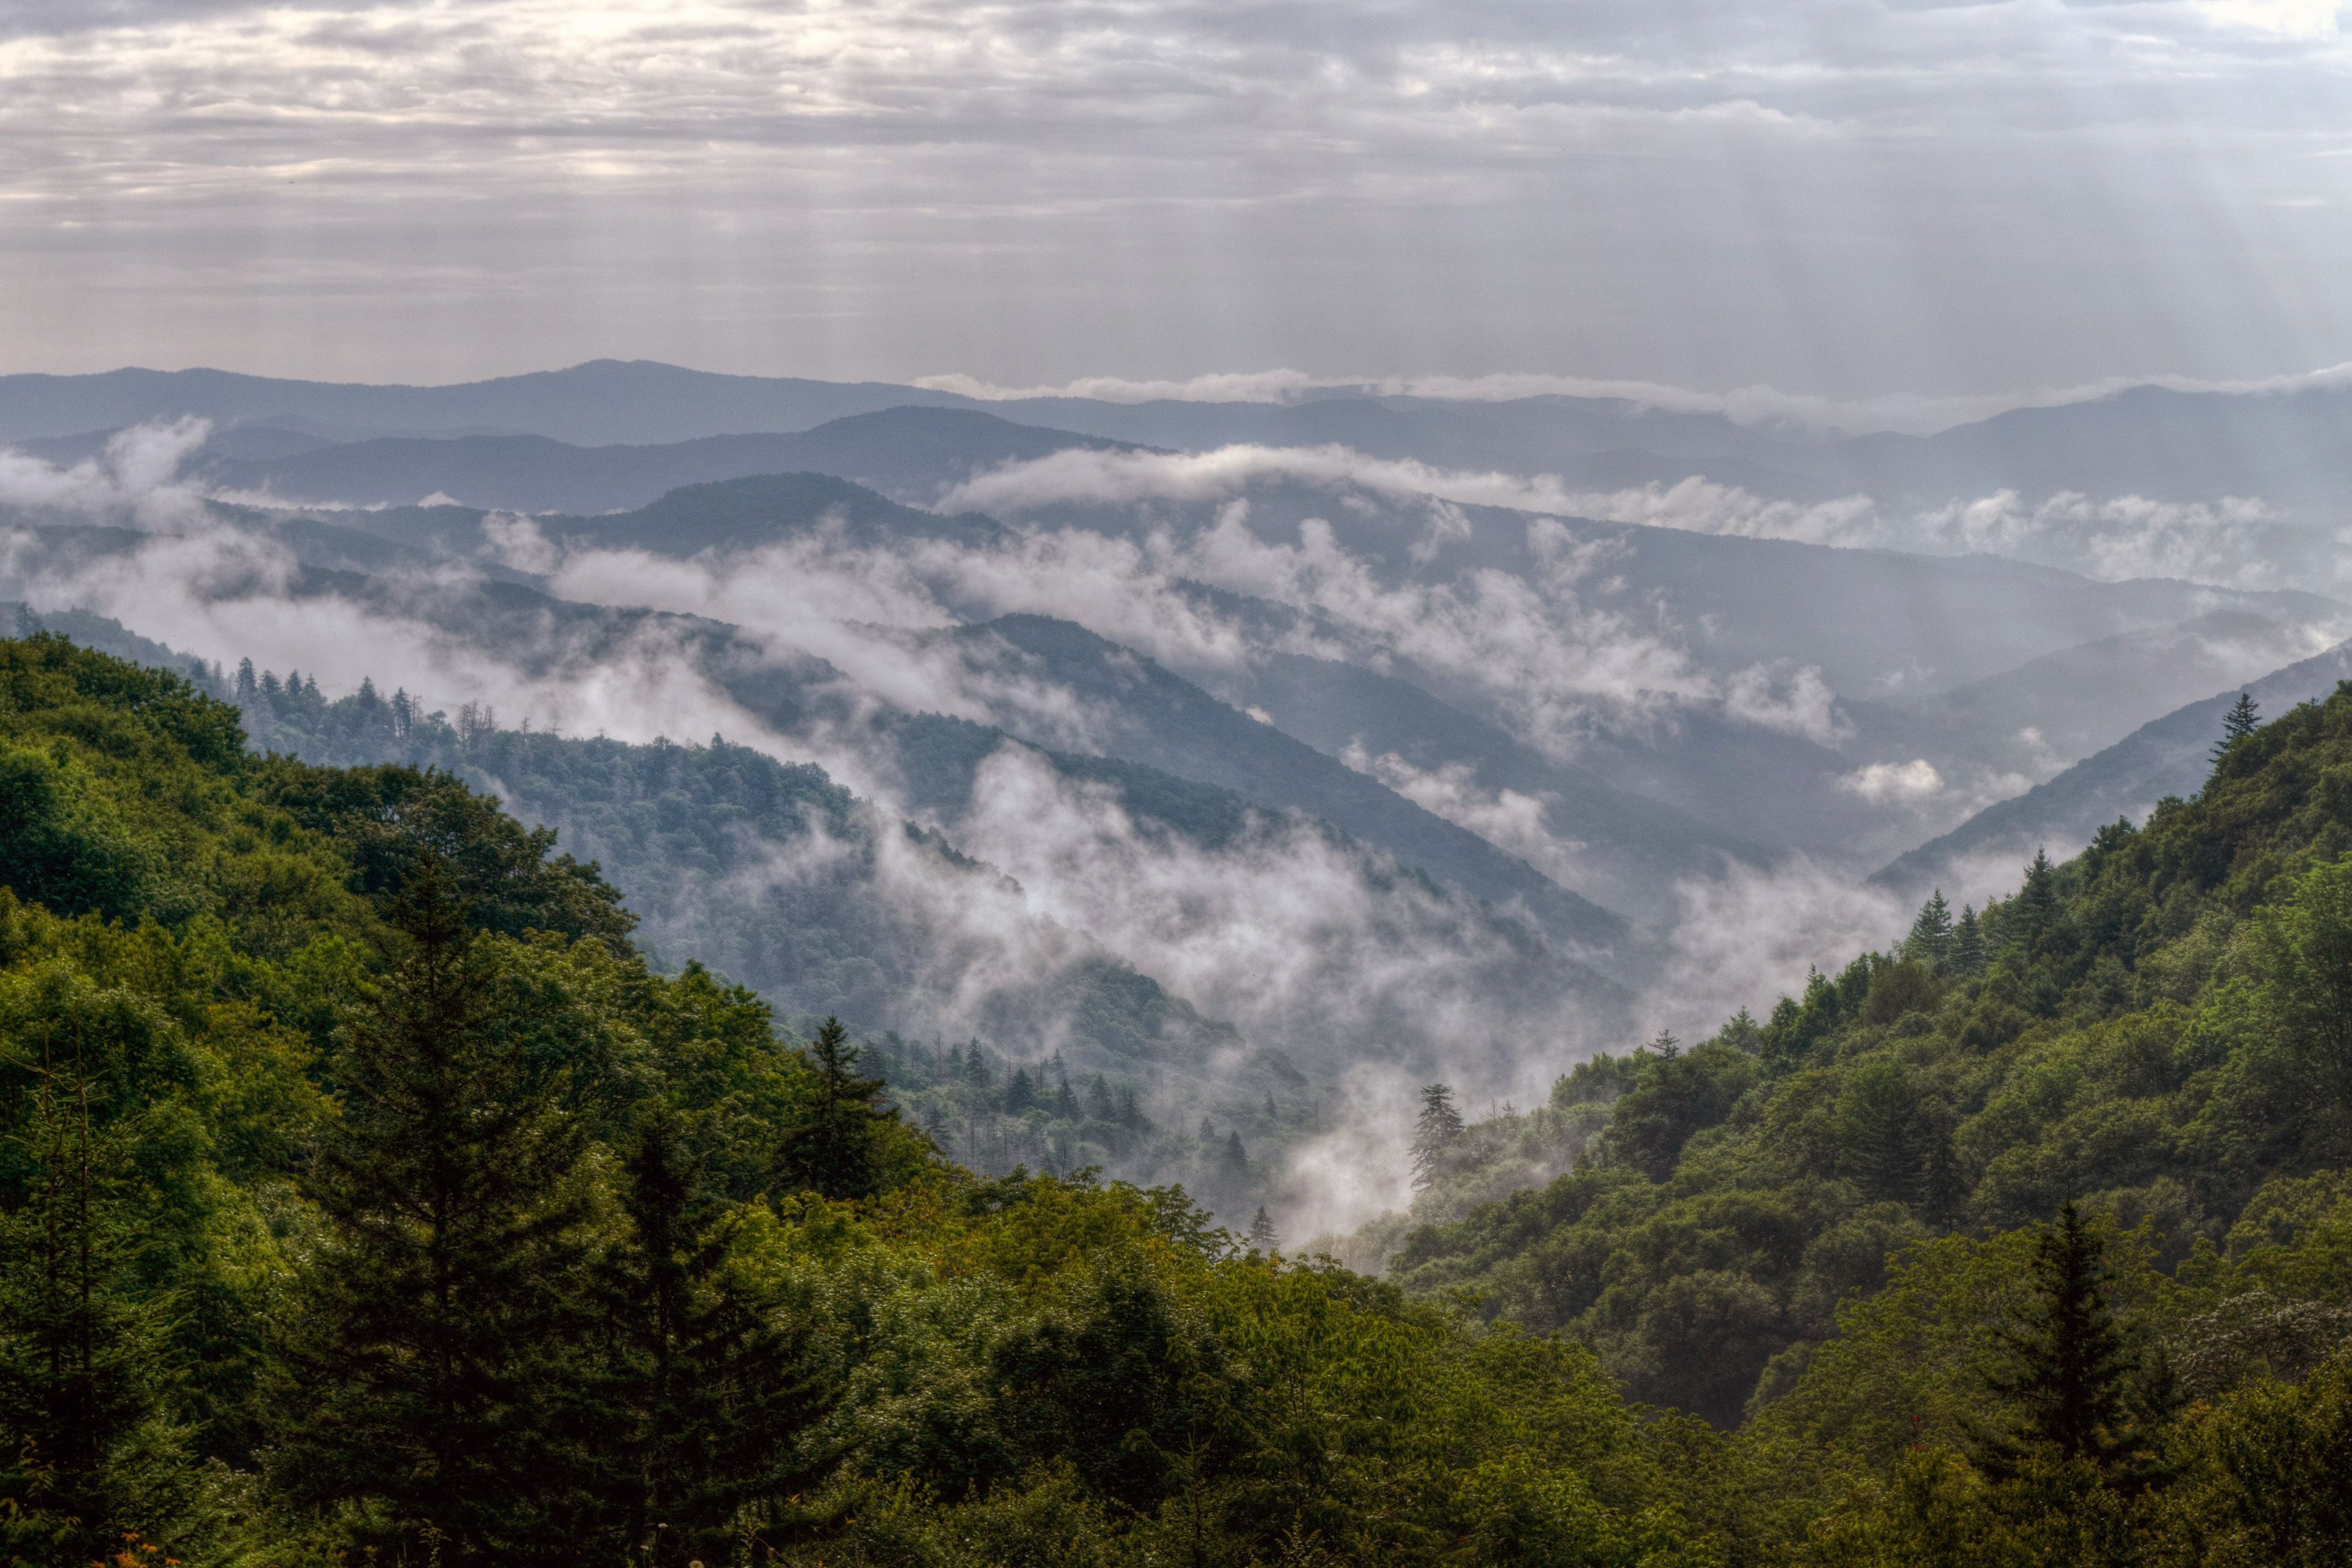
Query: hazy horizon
[(1909, 412), (1842, 199)]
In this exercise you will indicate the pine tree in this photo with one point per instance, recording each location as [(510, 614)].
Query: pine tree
[(1930, 941), (832, 1137), (1262, 1235), (713, 1388), (1065, 1102), (1232, 1160), (2026, 919), (1968, 943), (2241, 720), (1434, 1133), (2072, 1380), (1020, 1094), (428, 1359), (80, 1353), (1881, 1139)]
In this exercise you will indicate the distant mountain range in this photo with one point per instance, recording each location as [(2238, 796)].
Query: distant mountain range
[(2292, 447), (1525, 733)]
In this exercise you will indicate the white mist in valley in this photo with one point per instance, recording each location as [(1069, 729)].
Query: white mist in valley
[(1376, 978)]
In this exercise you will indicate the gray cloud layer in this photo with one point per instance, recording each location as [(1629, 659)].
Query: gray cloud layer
[(1840, 197)]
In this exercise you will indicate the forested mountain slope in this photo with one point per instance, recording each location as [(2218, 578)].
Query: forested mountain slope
[(366, 1197), (2154, 1030)]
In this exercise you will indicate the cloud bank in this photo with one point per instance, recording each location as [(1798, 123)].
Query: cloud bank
[(1837, 197)]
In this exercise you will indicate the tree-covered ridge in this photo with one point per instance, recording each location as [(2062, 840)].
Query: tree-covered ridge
[(366, 1197), (2154, 1028), (379, 1202)]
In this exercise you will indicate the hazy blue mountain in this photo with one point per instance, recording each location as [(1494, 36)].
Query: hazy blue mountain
[(1623, 848), (2067, 705), (715, 847), (597, 403), (226, 444), (2143, 440), (910, 454), (1876, 623), (2147, 440), (1142, 713), (746, 513), (1879, 626), (1524, 435), (2170, 756), (1152, 716), (1207, 747)]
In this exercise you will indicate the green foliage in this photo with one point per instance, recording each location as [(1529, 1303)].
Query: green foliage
[(2078, 1390), (842, 1141), (2155, 1031), (364, 1187), (432, 1358), (1434, 1134), (365, 1190)]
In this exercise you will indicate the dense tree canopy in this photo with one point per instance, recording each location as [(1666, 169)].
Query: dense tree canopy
[(366, 1196)]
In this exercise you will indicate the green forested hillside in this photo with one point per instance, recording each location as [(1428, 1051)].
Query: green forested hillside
[(2159, 1030), (366, 1197)]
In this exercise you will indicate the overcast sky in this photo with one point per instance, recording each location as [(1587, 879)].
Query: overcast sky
[(1846, 197)]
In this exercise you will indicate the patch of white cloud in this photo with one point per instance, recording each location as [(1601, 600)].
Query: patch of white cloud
[(134, 480), (1751, 935), (1905, 784), (1510, 819)]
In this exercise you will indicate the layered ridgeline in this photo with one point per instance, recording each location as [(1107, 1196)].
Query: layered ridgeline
[(1010, 1041), (1804, 1223), (366, 1196)]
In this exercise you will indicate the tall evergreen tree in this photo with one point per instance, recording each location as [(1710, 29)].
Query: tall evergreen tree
[(80, 1349), (2072, 1382), (2026, 919), (1968, 942), (2241, 720), (1882, 1141), (438, 1327), (1930, 941), (1434, 1133), (1263, 1238), (833, 1142), (712, 1385)]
